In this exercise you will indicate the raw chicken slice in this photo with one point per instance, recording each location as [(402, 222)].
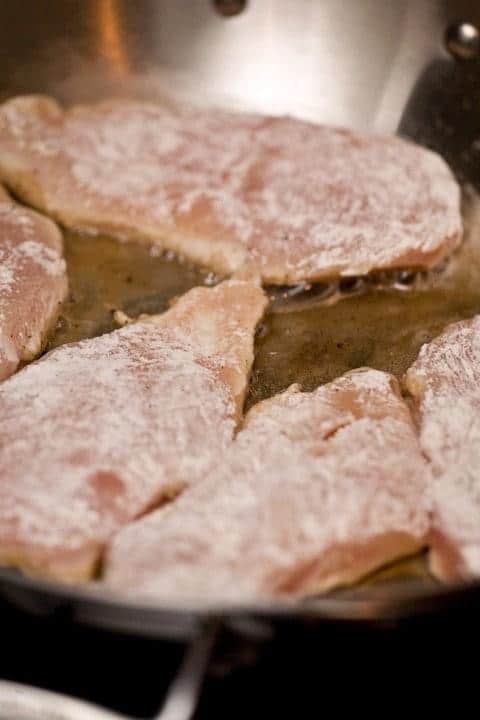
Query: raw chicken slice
[(297, 201), (320, 489), (445, 382), (33, 282), (96, 432)]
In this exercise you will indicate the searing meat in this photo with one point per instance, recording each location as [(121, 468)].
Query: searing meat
[(319, 489), (445, 381), (33, 282), (98, 431), (297, 201)]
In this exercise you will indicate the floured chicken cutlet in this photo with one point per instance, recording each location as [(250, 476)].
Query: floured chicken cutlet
[(445, 382), (319, 489), (33, 282), (96, 432), (298, 201)]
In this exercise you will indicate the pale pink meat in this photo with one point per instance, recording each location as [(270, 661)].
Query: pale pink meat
[(297, 201), (445, 382), (319, 489), (33, 282), (96, 432)]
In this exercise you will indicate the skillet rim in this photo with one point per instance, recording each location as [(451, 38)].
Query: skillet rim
[(103, 609)]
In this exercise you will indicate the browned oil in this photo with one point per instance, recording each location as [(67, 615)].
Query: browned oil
[(106, 275), (382, 329), (391, 578), (300, 341)]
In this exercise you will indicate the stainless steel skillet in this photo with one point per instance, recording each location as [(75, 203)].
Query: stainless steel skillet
[(411, 66)]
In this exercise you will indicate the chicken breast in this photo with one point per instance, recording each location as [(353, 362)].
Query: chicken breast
[(445, 383), (97, 432), (297, 201), (319, 489), (33, 282)]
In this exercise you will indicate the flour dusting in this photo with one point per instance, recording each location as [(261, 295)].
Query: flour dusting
[(299, 201)]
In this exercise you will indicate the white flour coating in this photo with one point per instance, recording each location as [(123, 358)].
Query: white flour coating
[(7, 276), (46, 257), (125, 401), (319, 489), (300, 201), (445, 380), (96, 431), (33, 282)]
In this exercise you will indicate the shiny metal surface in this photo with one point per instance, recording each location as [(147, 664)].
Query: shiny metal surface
[(381, 65), (354, 62), (463, 40), (229, 8)]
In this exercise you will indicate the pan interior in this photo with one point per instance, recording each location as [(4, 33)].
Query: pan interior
[(310, 337)]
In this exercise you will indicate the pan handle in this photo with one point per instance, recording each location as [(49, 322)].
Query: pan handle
[(23, 702), (184, 692)]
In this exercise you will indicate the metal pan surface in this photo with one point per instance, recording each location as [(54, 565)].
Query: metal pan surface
[(410, 66)]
